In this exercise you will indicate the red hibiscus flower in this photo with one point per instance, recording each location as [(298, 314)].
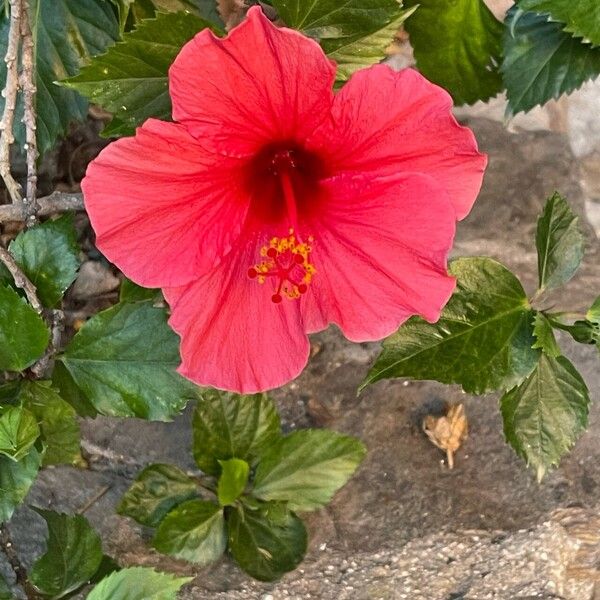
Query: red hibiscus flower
[(273, 207)]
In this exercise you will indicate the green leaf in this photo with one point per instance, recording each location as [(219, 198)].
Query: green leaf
[(132, 292), (66, 34), (18, 432), (147, 9), (157, 489), (307, 467), (15, 480), (544, 416), (542, 62), (194, 531), (138, 583), (57, 420), (5, 593), (64, 383), (580, 17), (593, 314), (368, 50), (232, 426), (544, 336), (559, 243), (233, 480), (73, 555), (457, 45), (123, 360), (483, 340), (23, 333), (48, 255), (337, 24), (130, 80), (266, 542)]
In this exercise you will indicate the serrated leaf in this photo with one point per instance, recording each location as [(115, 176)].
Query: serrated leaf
[(73, 555), (559, 243), (18, 432), (48, 255), (15, 480), (123, 360), (66, 34), (369, 49), (232, 481), (194, 531), (130, 80), (57, 420), (147, 9), (544, 416), (483, 340), (542, 62), (157, 489), (232, 426), (581, 18), (68, 390), (23, 333), (457, 45), (336, 24), (132, 292), (138, 583), (544, 336), (266, 541), (306, 468)]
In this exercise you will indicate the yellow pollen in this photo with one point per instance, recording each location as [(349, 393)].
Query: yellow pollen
[(286, 261)]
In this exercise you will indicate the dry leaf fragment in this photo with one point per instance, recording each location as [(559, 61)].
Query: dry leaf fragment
[(232, 12), (449, 431)]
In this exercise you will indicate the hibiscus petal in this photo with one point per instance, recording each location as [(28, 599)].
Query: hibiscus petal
[(380, 251), (163, 212), (385, 122), (259, 84), (233, 336)]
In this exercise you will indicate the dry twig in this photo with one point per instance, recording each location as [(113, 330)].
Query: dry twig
[(10, 100), (56, 202), (20, 279)]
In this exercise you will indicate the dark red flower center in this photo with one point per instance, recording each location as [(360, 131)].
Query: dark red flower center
[(283, 182)]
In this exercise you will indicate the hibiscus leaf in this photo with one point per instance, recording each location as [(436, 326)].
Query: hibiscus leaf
[(130, 80), (544, 336), (337, 24), (18, 432), (138, 583), (73, 555), (15, 480), (580, 18), (306, 468), (23, 333), (542, 62), (157, 489), (194, 531), (367, 50), (232, 481), (66, 34), (132, 292), (457, 45), (57, 420), (544, 416), (559, 243), (266, 540), (232, 426), (48, 254), (123, 360), (483, 340)]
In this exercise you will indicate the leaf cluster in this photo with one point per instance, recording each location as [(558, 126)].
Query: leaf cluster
[(492, 338), (255, 480)]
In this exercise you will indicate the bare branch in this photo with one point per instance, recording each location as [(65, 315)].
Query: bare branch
[(28, 85), (20, 279), (57, 202), (10, 100), (57, 326)]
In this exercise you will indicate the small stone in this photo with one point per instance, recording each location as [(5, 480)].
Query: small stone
[(94, 279)]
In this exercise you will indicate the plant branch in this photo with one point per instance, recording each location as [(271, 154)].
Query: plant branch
[(57, 328), (28, 85), (10, 100), (17, 566), (56, 202), (21, 280)]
